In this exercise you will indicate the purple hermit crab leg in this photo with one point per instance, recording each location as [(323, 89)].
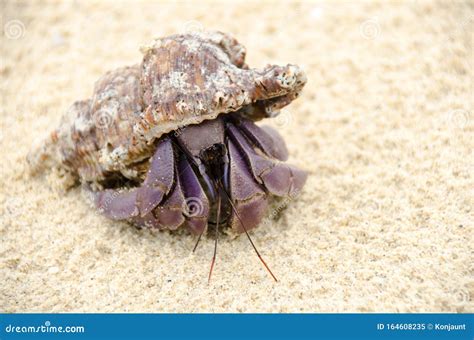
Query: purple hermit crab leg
[(170, 213), (159, 178), (249, 199), (279, 179), (124, 204), (196, 202), (115, 204), (148, 221), (265, 138), (278, 183)]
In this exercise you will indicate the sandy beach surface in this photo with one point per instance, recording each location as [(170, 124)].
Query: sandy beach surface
[(385, 128)]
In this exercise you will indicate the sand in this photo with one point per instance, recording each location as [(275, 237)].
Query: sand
[(385, 128)]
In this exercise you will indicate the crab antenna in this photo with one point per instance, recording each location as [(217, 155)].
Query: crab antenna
[(217, 235), (246, 233), (197, 242)]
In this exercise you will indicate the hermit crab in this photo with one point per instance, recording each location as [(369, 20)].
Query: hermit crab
[(172, 141)]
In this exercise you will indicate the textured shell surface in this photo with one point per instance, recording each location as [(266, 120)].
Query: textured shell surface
[(182, 80)]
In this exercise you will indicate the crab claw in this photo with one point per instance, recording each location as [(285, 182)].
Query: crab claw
[(169, 214), (116, 204), (278, 178), (159, 179), (125, 204)]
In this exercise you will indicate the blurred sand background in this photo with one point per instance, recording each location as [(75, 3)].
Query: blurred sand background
[(385, 127)]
